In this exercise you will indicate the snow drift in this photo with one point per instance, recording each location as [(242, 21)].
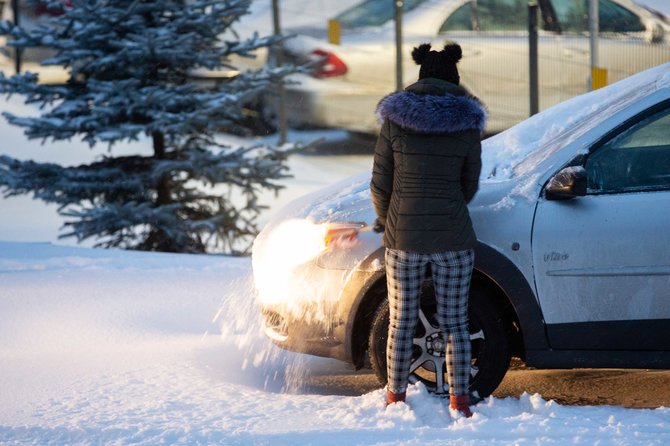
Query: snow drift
[(116, 347)]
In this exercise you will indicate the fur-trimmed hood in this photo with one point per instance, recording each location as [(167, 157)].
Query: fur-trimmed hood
[(433, 113)]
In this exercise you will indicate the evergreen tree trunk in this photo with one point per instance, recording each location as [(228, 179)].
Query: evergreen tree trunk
[(163, 183), (157, 239)]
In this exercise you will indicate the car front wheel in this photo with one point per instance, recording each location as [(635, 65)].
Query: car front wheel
[(488, 336)]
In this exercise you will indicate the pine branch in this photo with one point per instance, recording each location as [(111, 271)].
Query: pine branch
[(130, 64)]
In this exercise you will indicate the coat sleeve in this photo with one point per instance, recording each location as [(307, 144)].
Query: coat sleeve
[(381, 185), (472, 167)]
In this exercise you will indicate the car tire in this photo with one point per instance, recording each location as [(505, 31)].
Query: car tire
[(489, 339)]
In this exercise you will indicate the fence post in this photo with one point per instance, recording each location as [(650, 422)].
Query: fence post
[(533, 76), (598, 77), (17, 50), (279, 60), (398, 45)]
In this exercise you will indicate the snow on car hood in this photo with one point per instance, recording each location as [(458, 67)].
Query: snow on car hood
[(518, 150), (338, 202), (509, 158)]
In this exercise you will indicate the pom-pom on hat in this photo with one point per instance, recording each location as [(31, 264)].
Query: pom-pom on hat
[(438, 64)]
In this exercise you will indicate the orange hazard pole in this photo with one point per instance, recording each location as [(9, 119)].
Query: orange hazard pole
[(598, 78)]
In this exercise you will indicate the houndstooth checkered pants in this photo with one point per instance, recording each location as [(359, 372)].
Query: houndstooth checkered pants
[(405, 274)]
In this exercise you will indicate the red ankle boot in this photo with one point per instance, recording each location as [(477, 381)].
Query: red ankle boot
[(395, 397), (461, 403)]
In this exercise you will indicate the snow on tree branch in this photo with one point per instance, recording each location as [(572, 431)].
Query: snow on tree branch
[(130, 66)]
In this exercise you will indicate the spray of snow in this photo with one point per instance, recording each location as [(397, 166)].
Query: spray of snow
[(253, 356)]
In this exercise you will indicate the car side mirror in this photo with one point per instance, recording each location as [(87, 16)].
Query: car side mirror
[(568, 183)]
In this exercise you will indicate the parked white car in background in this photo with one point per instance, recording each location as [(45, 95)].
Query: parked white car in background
[(572, 263), (353, 76)]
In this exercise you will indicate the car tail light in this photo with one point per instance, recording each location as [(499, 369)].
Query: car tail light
[(42, 9), (330, 66)]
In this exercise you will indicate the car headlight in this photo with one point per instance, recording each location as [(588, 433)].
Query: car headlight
[(279, 252)]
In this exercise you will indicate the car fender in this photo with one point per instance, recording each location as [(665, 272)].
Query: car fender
[(358, 302), (509, 279)]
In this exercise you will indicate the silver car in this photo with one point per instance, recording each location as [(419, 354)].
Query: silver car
[(353, 76), (572, 262)]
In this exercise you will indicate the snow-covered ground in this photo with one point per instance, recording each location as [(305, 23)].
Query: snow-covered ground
[(116, 347)]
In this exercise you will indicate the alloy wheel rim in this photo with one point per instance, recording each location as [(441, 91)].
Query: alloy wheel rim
[(429, 356)]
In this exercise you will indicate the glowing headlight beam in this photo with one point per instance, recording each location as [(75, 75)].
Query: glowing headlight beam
[(279, 252)]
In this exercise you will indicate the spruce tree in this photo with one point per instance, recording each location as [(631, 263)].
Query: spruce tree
[(130, 66)]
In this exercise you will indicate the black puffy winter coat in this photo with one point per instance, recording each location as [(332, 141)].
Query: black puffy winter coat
[(426, 166)]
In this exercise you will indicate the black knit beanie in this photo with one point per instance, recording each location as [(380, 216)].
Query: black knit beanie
[(438, 64)]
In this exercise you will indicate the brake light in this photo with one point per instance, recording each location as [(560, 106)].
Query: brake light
[(330, 66), (43, 9)]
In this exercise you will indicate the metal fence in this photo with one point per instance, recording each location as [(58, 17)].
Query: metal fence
[(494, 65), (495, 68)]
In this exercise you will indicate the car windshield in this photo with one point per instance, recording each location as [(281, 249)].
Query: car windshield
[(372, 13), (519, 149)]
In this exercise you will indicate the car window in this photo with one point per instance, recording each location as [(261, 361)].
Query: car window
[(617, 19), (372, 13), (636, 159), (463, 19), (489, 15), (573, 16)]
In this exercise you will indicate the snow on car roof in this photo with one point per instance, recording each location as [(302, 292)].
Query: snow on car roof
[(516, 151)]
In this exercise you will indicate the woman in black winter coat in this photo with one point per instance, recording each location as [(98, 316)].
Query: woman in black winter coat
[(426, 169)]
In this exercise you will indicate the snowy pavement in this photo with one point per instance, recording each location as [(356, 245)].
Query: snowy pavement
[(115, 347)]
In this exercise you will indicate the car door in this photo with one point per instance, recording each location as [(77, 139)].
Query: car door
[(602, 261)]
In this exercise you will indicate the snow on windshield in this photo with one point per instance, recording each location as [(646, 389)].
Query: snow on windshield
[(519, 149)]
